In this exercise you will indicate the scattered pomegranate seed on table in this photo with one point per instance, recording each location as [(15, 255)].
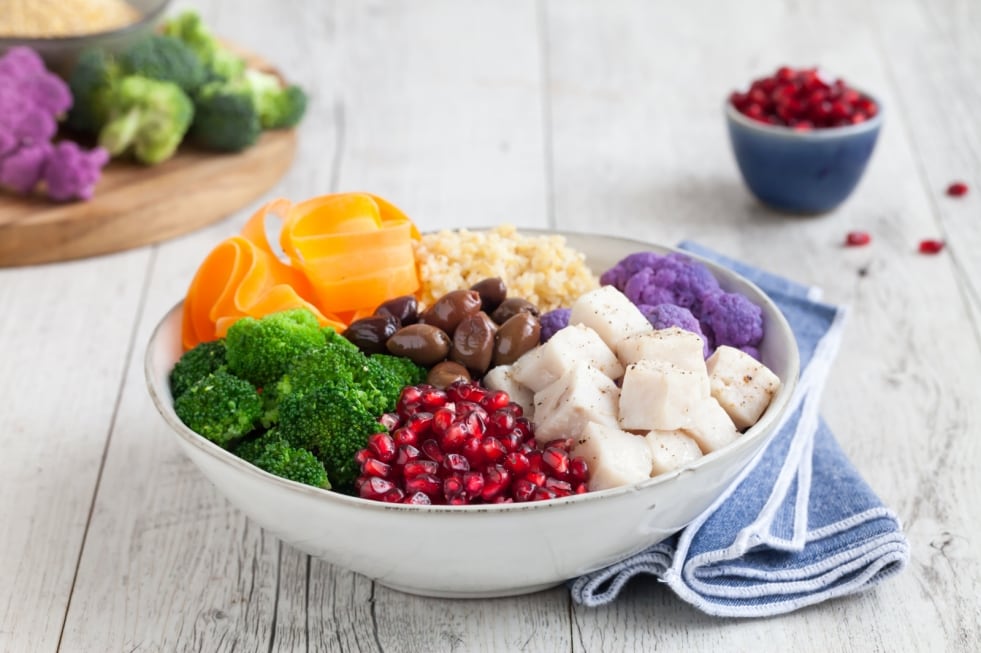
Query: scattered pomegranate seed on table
[(930, 246), (464, 445), (804, 99), (857, 238), (957, 189)]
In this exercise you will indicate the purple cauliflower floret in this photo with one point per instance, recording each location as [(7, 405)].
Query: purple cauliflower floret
[(72, 172), (21, 170), (630, 265), (731, 319), (641, 289), (21, 119), (553, 321), (24, 70), (752, 351), (663, 316), (21, 63), (8, 143)]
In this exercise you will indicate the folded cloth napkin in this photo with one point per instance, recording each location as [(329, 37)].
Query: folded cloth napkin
[(799, 525)]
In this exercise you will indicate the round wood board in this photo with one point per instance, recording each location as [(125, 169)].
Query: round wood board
[(137, 205)]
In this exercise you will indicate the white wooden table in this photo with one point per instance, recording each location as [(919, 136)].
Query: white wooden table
[(567, 114)]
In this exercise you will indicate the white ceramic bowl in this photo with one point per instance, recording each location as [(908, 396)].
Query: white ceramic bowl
[(484, 551)]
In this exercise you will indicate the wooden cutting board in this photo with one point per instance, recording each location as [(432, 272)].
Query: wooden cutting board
[(136, 205)]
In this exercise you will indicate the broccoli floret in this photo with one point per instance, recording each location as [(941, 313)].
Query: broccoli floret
[(147, 115), (164, 58), (552, 322), (221, 407), (330, 422), (221, 62), (225, 119), (400, 372), (278, 106), (261, 351), (196, 364), (272, 453), (91, 85), (334, 338)]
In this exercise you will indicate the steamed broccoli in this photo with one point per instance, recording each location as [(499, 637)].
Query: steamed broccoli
[(334, 338), (164, 58), (221, 62), (330, 422), (91, 84), (196, 364), (147, 115), (261, 351), (399, 372), (225, 119), (221, 407), (278, 106), (270, 452)]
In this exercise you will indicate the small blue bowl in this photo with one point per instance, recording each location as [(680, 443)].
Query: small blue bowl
[(801, 171)]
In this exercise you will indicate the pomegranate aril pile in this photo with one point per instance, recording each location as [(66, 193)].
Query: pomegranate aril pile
[(464, 445), (803, 99)]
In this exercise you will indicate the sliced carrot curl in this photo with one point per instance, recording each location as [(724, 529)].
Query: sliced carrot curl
[(348, 253)]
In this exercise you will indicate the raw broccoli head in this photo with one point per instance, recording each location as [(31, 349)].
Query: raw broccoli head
[(164, 58), (370, 383), (389, 375), (278, 106), (148, 116), (91, 83), (225, 119), (334, 338), (331, 422), (220, 62), (196, 364), (262, 350), (271, 453), (664, 316), (221, 407)]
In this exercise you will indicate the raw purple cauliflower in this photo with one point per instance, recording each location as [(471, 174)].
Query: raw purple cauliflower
[(630, 265), (663, 316), (731, 319), (554, 321), (72, 172), (21, 170)]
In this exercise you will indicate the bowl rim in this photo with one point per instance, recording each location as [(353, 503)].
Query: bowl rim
[(79, 39), (774, 413), (817, 134)]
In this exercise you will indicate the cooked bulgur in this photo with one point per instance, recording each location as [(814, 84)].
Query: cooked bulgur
[(542, 269)]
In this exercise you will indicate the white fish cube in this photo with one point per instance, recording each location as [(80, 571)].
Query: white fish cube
[(614, 457), (670, 450), (574, 344), (742, 385), (671, 345), (608, 312), (501, 378), (582, 395), (711, 426), (659, 396)]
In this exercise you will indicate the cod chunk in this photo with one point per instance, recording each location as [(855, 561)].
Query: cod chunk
[(671, 345), (670, 450), (580, 396), (609, 313), (659, 396), (742, 385), (543, 365), (614, 457), (710, 426)]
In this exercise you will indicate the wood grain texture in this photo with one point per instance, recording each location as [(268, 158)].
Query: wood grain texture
[(588, 116)]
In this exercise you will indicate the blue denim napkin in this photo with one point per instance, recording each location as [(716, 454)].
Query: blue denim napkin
[(799, 525)]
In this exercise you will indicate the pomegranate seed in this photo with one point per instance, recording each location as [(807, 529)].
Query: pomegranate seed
[(556, 459), (442, 420), (542, 494), (410, 395), (454, 437), (408, 410), (857, 238), (535, 460), (930, 246), (389, 421), (957, 189), (512, 441), (416, 467), (452, 487), (420, 423), (518, 463), (394, 495), (358, 482), (473, 451), (457, 501), (495, 400), (578, 469), (383, 446), (431, 449), (582, 488), (536, 478), (417, 498), (561, 488), (405, 455), (523, 489), (785, 73), (503, 500), (377, 468), (565, 444), (376, 488), (463, 391), (493, 449), (515, 410), (361, 456), (473, 484), (433, 398), (474, 424), (523, 426), (405, 436), (427, 484), (500, 422), (456, 463)]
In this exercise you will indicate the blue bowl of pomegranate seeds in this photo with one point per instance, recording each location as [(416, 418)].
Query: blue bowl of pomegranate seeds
[(802, 140)]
